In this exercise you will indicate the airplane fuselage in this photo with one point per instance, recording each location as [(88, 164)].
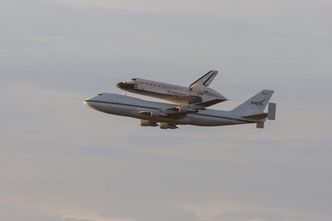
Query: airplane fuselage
[(137, 108)]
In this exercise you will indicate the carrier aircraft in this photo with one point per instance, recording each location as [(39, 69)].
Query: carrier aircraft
[(198, 92), (169, 116)]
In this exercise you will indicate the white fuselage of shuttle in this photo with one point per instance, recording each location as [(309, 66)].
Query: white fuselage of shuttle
[(173, 93)]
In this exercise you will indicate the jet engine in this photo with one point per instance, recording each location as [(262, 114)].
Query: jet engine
[(147, 123), (167, 126)]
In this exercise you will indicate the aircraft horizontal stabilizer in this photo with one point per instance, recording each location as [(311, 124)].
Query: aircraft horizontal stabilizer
[(256, 116)]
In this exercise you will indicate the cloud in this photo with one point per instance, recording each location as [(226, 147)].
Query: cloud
[(173, 5), (186, 6), (59, 209), (149, 5), (91, 217), (218, 209), (233, 211), (61, 111)]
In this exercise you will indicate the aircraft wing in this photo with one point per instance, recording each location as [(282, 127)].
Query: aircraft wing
[(175, 112), (180, 111), (190, 108)]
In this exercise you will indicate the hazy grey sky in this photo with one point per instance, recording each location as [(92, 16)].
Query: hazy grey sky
[(60, 161)]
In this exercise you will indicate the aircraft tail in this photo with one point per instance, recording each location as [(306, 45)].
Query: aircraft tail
[(205, 80), (254, 107)]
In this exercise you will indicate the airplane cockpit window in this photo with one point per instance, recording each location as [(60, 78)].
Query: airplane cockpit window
[(133, 79), (100, 94)]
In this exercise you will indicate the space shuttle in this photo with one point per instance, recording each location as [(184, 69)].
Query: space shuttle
[(197, 94)]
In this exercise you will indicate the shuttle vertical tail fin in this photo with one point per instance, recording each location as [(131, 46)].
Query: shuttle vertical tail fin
[(205, 80)]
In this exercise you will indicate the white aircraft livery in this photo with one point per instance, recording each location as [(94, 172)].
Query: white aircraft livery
[(197, 93), (168, 116)]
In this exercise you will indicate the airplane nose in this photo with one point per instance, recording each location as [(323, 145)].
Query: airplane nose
[(87, 102), (91, 103)]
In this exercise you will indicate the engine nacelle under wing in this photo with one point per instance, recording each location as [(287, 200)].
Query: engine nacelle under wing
[(147, 123), (167, 126)]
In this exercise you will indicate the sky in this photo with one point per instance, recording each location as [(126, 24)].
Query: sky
[(61, 161)]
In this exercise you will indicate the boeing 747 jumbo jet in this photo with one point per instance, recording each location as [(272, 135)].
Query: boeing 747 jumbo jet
[(197, 93), (168, 116)]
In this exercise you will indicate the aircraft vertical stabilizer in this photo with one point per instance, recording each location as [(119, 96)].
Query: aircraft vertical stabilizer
[(255, 105)]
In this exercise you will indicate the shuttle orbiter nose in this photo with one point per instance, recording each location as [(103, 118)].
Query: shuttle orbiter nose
[(126, 85)]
